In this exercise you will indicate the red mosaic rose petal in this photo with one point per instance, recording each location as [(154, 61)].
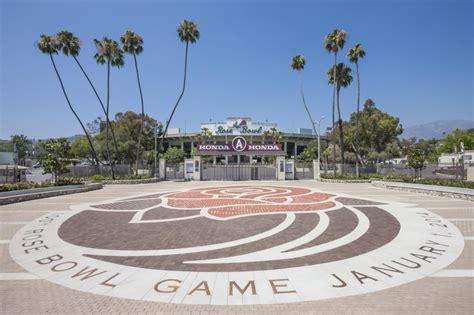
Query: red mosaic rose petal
[(208, 203), (234, 211)]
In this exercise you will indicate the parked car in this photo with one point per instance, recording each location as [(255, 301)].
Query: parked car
[(37, 165)]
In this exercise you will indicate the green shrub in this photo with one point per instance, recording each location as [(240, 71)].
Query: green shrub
[(23, 185), (69, 181), (405, 178), (344, 177), (446, 182), (96, 178), (100, 178)]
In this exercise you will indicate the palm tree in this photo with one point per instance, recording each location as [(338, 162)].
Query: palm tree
[(332, 43), (188, 33), (298, 63), (354, 54), (340, 76), (71, 45), (204, 135), (108, 51), (51, 45), (132, 44)]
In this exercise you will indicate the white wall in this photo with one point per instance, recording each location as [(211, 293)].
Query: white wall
[(7, 158)]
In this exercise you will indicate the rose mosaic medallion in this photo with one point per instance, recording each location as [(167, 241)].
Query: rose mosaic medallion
[(237, 245)]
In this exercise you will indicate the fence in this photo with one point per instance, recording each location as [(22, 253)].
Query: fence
[(429, 171), (304, 170), (247, 171), (237, 172), (12, 174), (174, 171), (90, 170)]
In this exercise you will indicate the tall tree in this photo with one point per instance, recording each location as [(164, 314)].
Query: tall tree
[(273, 134), (298, 63), (340, 76), (55, 156), (51, 45), (333, 42), (188, 33), (204, 135), (133, 44), (22, 145), (108, 51), (71, 46), (377, 130), (354, 54)]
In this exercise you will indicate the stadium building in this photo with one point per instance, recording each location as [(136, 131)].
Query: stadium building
[(240, 140)]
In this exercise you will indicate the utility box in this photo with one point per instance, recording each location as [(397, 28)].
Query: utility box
[(289, 169), (162, 169), (280, 167), (316, 169), (470, 173), (192, 168)]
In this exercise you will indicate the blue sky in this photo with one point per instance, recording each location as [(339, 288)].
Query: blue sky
[(419, 62)]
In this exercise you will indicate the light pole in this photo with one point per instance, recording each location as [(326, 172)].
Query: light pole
[(319, 138), (156, 131)]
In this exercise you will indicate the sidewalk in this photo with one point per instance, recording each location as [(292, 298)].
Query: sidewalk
[(454, 192)]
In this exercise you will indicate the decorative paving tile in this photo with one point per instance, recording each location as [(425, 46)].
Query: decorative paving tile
[(237, 245)]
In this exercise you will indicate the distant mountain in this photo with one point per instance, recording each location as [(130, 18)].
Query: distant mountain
[(435, 129)]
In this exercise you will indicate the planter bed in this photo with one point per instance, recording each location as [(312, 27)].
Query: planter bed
[(15, 196)]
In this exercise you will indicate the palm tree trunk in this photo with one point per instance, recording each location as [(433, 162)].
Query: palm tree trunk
[(117, 152), (179, 98), (358, 98), (306, 107), (341, 133), (143, 112), (106, 125), (94, 154), (356, 135), (333, 116)]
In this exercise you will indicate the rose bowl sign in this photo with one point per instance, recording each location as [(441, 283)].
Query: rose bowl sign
[(239, 145), (237, 245)]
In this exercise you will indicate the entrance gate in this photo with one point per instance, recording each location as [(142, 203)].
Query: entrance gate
[(304, 170), (174, 171), (238, 172)]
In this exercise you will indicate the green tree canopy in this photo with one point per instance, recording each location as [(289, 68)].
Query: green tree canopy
[(378, 131), (273, 134), (55, 156), (204, 135), (174, 155), (80, 148), (309, 153), (451, 142), (127, 127), (416, 159), (22, 143)]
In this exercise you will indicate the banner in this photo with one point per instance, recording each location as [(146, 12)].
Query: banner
[(239, 145)]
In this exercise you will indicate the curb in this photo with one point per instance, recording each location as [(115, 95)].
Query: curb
[(131, 181), (344, 181), (432, 192), (46, 194)]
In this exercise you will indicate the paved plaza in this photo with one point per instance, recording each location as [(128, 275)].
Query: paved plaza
[(245, 247)]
